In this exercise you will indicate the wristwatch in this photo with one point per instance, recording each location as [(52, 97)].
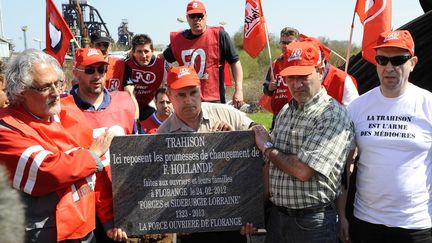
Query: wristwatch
[(268, 145)]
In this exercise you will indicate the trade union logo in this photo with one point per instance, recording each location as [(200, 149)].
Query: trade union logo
[(391, 36), (146, 77), (295, 54), (252, 18)]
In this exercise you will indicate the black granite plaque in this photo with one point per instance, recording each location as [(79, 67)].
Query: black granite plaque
[(187, 182)]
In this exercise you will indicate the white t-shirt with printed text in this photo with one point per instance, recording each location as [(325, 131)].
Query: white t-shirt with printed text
[(394, 137)]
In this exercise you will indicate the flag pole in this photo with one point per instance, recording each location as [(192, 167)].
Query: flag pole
[(269, 51), (268, 42), (338, 55), (76, 42), (350, 40)]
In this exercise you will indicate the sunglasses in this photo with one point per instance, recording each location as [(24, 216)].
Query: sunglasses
[(193, 16), (395, 61), (92, 70)]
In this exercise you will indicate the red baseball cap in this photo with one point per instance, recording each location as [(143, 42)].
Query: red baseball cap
[(398, 38), (194, 7), (302, 58), (88, 56), (325, 51), (183, 76)]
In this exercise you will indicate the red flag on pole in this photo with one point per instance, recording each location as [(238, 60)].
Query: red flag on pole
[(58, 34), (254, 30), (376, 17)]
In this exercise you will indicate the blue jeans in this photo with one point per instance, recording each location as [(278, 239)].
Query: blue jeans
[(319, 227)]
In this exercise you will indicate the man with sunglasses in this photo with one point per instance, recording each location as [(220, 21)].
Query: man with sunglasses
[(208, 49), (275, 86), (112, 111), (115, 72), (393, 124), (50, 153)]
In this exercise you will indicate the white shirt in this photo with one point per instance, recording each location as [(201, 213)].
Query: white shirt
[(394, 137)]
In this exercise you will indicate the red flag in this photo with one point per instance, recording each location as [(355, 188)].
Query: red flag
[(376, 17), (58, 34), (265, 102), (254, 31)]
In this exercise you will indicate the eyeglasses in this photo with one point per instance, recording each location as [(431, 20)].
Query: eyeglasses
[(92, 70), (193, 16), (56, 86), (395, 61)]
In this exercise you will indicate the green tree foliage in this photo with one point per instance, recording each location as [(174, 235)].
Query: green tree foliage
[(339, 47)]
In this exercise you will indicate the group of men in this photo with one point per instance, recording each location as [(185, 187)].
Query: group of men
[(388, 128), (209, 49), (56, 149), (338, 84)]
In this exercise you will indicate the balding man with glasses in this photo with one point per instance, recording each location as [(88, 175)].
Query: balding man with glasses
[(393, 124), (49, 152)]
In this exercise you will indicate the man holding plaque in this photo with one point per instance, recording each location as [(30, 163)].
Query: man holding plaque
[(307, 151), (192, 115)]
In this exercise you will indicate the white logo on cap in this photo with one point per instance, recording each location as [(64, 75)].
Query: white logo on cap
[(319, 58), (392, 36), (295, 54), (92, 52), (183, 72), (195, 5)]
